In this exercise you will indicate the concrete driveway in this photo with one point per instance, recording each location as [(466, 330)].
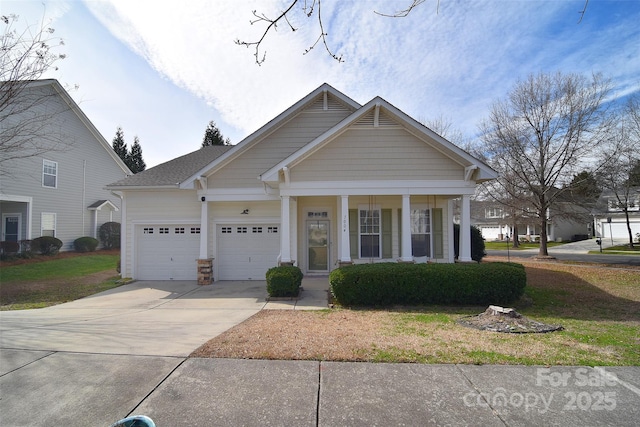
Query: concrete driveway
[(143, 318)]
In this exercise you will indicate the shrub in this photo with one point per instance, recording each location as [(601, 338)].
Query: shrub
[(284, 281), (417, 284), (85, 244), (9, 247), (477, 243), (46, 245), (109, 235)]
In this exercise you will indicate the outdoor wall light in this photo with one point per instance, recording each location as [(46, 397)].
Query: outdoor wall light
[(245, 212)]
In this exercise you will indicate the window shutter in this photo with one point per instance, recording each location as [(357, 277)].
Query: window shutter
[(438, 233), (353, 233), (386, 234)]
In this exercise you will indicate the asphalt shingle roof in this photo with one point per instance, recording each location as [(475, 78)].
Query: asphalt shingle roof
[(174, 171)]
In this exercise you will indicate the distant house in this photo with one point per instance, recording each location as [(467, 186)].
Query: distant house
[(567, 222), (59, 191), (610, 219), (327, 182)]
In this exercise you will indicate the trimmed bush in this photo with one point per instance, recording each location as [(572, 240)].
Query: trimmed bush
[(284, 281), (46, 245), (109, 235), (9, 247), (85, 244), (477, 243), (387, 284)]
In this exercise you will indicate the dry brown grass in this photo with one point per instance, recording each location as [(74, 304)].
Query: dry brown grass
[(599, 308)]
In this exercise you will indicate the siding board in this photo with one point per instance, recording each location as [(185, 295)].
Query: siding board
[(376, 153)]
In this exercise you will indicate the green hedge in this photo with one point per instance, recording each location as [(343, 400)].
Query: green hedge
[(46, 245), (85, 244), (284, 281), (417, 284)]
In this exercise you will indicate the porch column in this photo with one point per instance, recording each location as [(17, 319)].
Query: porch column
[(345, 244), (204, 230), (405, 254), (465, 230), (285, 232)]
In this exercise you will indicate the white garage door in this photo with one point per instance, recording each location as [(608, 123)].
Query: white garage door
[(167, 252), (246, 252)]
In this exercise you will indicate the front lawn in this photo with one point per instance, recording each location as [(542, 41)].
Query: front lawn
[(522, 245), (53, 280), (598, 307)]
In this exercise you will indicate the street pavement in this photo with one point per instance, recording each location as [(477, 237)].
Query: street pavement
[(575, 251), (124, 352)]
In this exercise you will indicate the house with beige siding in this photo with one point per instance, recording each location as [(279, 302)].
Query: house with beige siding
[(328, 182), (53, 183)]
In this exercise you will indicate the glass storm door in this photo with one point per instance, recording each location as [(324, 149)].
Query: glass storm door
[(317, 244), (11, 228)]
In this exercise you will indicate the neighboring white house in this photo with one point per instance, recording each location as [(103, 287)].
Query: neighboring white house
[(59, 191), (325, 183), (494, 223), (610, 218)]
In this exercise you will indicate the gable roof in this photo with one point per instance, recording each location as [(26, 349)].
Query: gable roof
[(271, 126), (174, 172), (61, 91), (377, 104)]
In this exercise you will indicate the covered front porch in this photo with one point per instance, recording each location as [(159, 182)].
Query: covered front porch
[(320, 233)]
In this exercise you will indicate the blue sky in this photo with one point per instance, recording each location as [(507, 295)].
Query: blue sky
[(163, 70)]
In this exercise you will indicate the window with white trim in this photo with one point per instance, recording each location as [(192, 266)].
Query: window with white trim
[(369, 232), (48, 224), (49, 174), (421, 232), (195, 230), (179, 230), (493, 213)]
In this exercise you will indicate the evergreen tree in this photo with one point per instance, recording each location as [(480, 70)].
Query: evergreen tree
[(119, 146), (134, 157), (213, 136), (584, 189)]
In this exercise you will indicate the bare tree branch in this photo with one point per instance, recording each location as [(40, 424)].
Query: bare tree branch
[(27, 127), (272, 23), (407, 11), (582, 12)]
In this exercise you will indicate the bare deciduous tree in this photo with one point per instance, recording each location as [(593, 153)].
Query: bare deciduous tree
[(25, 121), (538, 136)]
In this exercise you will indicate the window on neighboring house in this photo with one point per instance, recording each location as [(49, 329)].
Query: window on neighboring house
[(369, 229), (420, 232), (49, 174), (48, 224), (493, 213)]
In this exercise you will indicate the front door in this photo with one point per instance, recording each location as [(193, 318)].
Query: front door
[(318, 246), (11, 227)]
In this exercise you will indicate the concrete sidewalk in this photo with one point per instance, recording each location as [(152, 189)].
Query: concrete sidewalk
[(124, 351), (71, 389)]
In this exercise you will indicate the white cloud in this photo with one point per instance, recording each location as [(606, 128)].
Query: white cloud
[(450, 61)]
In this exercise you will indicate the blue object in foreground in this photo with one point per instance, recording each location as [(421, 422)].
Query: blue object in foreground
[(135, 421)]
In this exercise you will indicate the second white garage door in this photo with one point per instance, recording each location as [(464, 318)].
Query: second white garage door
[(246, 252)]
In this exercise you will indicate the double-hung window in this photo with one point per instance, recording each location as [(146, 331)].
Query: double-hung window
[(421, 232), (48, 224), (370, 233), (49, 174)]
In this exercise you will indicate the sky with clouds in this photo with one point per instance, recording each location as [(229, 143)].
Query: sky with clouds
[(163, 70)]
